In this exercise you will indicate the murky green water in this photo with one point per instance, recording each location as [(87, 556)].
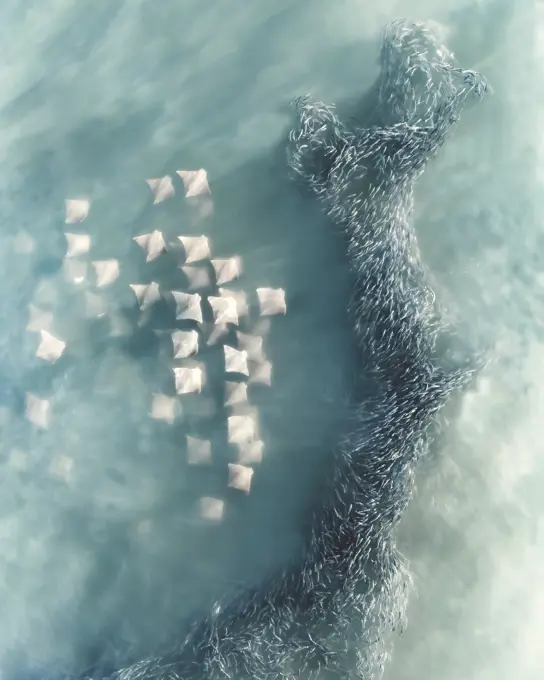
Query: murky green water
[(95, 97)]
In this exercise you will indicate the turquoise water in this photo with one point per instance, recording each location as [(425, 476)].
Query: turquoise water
[(96, 97)]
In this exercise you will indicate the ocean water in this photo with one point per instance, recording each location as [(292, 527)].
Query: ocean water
[(103, 546)]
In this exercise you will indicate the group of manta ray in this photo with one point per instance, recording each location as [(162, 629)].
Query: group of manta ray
[(332, 612)]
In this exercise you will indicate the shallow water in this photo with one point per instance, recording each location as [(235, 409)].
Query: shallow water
[(109, 554)]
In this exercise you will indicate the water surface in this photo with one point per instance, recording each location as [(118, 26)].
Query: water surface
[(98, 96)]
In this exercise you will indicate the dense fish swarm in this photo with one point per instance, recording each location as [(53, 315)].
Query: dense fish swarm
[(330, 614)]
